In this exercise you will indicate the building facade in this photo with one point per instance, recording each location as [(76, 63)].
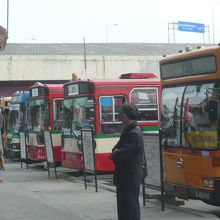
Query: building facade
[(23, 64)]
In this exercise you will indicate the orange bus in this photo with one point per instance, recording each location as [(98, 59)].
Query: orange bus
[(4, 114), (190, 120)]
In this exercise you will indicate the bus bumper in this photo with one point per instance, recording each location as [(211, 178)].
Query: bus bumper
[(12, 151), (211, 197), (36, 153)]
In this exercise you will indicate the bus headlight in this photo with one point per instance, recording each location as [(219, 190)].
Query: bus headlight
[(211, 183), (208, 183), (205, 182)]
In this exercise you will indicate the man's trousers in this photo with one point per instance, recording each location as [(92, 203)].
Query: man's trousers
[(128, 206)]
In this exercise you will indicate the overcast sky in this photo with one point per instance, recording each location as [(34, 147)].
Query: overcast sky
[(144, 21)]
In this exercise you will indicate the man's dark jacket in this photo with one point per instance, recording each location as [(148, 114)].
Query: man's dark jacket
[(128, 157)]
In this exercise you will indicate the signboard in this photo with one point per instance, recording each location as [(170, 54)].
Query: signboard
[(34, 92), (23, 146), (191, 27), (49, 146), (152, 154), (189, 67), (88, 150), (202, 139), (88, 154), (73, 89)]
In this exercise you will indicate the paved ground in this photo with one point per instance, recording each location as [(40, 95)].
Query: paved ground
[(31, 195)]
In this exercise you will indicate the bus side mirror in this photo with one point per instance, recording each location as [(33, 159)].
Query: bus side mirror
[(213, 107)]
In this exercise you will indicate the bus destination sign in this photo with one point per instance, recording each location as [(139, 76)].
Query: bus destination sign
[(73, 89)]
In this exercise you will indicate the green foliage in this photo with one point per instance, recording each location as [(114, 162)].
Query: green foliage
[(66, 176)]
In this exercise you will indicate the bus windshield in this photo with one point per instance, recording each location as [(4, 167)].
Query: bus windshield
[(78, 113), (15, 122), (38, 115), (1, 118), (185, 116), (58, 114)]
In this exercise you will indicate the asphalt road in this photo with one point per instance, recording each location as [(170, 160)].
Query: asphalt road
[(24, 195), (31, 195)]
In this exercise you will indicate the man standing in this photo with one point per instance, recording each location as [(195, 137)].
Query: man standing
[(127, 155)]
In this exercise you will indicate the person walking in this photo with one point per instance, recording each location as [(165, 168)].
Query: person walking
[(127, 156), (2, 164)]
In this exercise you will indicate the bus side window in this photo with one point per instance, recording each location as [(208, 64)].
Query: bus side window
[(106, 109), (109, 107), (146, 101)]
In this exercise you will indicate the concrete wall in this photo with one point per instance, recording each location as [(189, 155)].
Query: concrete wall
[(14, 67)]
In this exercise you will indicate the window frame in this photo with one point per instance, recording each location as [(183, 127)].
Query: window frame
[(113, 111), (157, 104)]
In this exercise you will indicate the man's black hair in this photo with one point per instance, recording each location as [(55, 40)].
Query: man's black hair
[(130, 110)]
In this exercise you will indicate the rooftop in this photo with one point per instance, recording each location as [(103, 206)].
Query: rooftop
[(103, 49)]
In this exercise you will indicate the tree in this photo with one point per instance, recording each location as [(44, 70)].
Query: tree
[(3, 38)]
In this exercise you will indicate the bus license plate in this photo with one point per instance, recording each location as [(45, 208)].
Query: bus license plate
[(181, 193), (203, 195)]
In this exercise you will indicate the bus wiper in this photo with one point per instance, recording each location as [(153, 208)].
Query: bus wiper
[(186, 125), (75, 133)]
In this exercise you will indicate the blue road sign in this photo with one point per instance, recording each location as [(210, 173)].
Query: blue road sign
[(191, 27)]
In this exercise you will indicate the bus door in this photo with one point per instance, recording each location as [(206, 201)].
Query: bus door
[(38, 120), (56, 128), (12, 142), (199, 134), (171, 118)]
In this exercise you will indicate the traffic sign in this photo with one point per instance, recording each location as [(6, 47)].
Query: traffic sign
[(191, 27)]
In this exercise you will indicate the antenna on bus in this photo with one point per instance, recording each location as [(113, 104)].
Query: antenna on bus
[(38, 83), (188, 48), (199, 47)]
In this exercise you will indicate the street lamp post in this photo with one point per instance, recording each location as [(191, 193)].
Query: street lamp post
[(7, 16), (107, 31), (213, 20)]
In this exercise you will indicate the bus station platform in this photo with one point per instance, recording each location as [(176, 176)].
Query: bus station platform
[(29, 194)]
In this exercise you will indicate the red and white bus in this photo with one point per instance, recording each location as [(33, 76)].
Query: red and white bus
[(96, 103), (43, 112)]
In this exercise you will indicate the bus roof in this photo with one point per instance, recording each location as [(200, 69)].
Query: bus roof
[(7, 99), (102, 82), (20, 96), (190, 66), (46, 90), (49, 86)]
